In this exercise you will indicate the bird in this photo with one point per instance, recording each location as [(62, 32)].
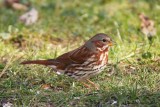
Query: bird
[(82, 63)]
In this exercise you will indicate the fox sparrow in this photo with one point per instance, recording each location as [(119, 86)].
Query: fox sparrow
[(82, 63)]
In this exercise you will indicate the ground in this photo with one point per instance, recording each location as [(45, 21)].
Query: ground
[(131, 79)]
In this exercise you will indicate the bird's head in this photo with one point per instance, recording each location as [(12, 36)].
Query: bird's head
[(99, 42)]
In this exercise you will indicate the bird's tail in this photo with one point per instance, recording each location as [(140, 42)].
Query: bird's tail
[(41, 62)]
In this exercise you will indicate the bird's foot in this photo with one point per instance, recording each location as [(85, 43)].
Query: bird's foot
[(93, 84), (90, 85), (86, 85)]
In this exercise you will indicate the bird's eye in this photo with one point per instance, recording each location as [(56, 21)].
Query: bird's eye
[(104, 40)]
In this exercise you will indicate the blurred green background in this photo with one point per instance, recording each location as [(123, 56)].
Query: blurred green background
[(66, 24)]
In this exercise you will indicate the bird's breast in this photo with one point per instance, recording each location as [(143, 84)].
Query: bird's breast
[(102, 58)]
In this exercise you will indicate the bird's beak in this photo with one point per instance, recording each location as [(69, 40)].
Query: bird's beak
[(111, 43)]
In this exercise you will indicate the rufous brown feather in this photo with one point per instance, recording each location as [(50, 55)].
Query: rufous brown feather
[(41, 62)]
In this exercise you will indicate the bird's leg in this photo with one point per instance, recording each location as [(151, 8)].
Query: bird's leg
[(86, 85), (93, 84)]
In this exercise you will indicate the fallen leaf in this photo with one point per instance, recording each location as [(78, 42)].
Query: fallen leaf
[(19, 41), (46, 86), (147, 25), (8, 104), (17, 4), (29, 17)]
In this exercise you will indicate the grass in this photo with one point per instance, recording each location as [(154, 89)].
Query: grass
[(132, 78)]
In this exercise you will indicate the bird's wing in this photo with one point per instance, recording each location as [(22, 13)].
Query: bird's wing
[(77, 56)]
